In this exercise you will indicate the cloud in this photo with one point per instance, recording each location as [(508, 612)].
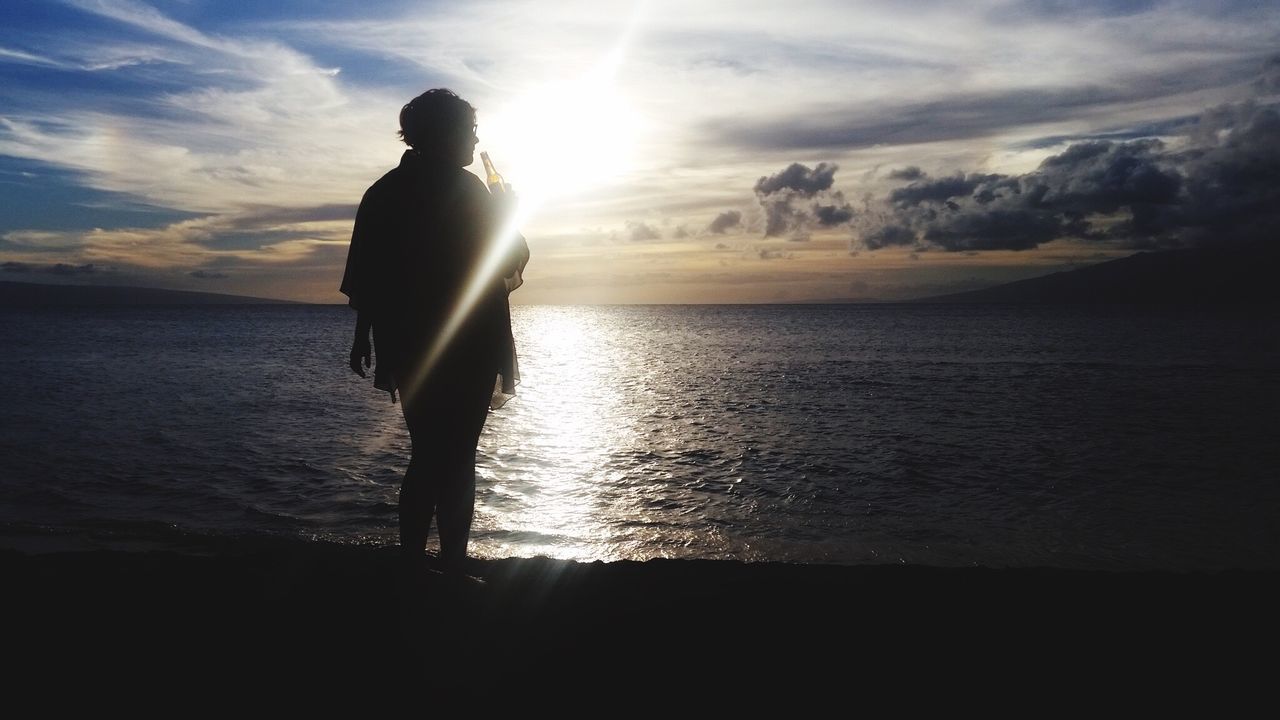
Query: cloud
[(724, 221), (639, 232), (926, 190), (253, 216), (967, 115), (1216, 181), (208, 112), (1268, 81), (780, 216), (213, 123), (993, 230), (93, 60), (798, 197), (255, 237), (835, 214), (26, 58), (15, 267), (799, 179), (907, 173), (888, 236), (207, 275)]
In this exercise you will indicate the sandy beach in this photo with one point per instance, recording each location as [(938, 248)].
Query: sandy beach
[(310, 611)]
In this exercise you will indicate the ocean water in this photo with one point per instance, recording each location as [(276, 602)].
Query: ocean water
[(1112, 438)]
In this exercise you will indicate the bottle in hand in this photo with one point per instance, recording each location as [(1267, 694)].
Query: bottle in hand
[(492, 178)]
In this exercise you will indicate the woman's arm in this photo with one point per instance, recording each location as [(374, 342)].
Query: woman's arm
[(515, 249), (361, 350)]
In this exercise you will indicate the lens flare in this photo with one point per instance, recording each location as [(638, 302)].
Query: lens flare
[(555, 125)]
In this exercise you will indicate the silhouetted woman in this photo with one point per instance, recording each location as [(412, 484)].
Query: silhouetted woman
[(425, 272)]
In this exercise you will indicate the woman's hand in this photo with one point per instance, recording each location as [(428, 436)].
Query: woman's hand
[(361, 351), (361, 355)]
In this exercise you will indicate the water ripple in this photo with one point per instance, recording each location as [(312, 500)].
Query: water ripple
[(954, 436)]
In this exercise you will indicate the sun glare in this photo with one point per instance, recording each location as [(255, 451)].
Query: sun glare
[(562, 138), (559, 140)]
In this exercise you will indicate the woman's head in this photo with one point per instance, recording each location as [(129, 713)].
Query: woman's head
[(440, 124)]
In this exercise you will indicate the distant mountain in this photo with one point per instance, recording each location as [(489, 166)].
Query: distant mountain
[(16, 294), (1235, 274)]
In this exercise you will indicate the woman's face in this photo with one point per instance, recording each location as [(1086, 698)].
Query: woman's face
[(467, 146), (458, 147)]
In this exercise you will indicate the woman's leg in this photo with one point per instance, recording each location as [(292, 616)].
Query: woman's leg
[(445, 420), (456, 501), (417, 499)]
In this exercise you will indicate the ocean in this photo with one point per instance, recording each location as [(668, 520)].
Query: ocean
[(1116, 438)]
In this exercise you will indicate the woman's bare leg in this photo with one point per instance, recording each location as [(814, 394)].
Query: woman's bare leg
[(417, 505), (457, 504), (445, 426)]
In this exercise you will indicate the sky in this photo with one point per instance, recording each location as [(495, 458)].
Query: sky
[(664, 152)]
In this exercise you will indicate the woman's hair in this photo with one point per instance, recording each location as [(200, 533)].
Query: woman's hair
[(435, 116)]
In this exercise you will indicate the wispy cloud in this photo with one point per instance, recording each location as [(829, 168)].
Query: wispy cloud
[(19, 56)]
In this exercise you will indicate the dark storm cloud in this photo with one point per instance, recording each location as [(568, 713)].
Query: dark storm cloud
[(207, 275), (993, 230), (799, 179), (966, 116), (1232, 183), (799, 197), (1102, 177), (835, 214), (15, 267), (1218, 183), (937, 190), (724, 221)]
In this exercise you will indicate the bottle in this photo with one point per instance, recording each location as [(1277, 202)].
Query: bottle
[(498, 187), (492, 178)]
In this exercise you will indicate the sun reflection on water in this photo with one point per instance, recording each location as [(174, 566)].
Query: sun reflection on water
[(543, 471)]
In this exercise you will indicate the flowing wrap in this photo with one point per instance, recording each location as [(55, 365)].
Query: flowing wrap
[(425, 235)]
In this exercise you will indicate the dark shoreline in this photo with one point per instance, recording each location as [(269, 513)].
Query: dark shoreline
[(312, 610)]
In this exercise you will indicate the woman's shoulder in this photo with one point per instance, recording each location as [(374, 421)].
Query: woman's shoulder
[(473, 184), (388, 183), (451, 187), (472, 192)]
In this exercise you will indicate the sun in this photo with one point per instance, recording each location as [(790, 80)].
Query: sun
[(559, 140)]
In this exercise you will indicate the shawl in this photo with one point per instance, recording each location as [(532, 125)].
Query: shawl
[(424, 235)]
